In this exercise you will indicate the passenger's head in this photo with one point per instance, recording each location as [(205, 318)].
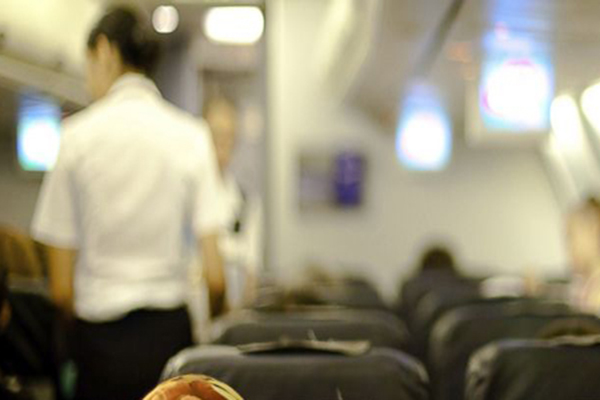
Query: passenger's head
[(437, 258), (570, 327), (193, 387), (583, 237), (121, 42), (221, 116)]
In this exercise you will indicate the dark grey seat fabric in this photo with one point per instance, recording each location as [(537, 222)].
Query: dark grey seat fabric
[(297, 374), (561, 369), (414, 289), (32, 346), (356, 294), (434, 305), (464, 330), (381, 329), (352, 294)]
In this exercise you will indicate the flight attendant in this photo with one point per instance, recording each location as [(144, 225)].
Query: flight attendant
[(132, 194), (241, 239)]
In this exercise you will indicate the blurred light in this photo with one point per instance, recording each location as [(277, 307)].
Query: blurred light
[(38, 133), (165, 19), (501, 30), (515, 94), (424, 137), (566, 123), (590, 103), (234, 25)]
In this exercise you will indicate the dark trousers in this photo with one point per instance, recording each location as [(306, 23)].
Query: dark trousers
[(124, 359)]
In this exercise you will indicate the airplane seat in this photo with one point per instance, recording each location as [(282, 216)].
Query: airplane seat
[(462, 331), (33, 347), (560, 369), (381, 329), (434, 305), (348, 294), (307, 370), (415, 288)]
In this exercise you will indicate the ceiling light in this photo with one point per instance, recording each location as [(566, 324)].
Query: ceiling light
[(424, 135), (234, 25), (165, 19)]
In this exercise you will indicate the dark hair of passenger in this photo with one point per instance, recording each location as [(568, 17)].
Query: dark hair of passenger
[(132, 36), (569, 327), (437, 258)]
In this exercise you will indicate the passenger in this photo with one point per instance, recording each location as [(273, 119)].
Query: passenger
[(583, 240), (436, 269), (193, 387), (437, 259), (134, 179), (241, 240)]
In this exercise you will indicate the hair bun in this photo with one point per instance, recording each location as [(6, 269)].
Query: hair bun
[(132, 36)]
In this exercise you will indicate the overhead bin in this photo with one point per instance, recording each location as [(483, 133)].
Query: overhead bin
[(368, 51)]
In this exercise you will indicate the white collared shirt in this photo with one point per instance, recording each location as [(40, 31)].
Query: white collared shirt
[(241, 246), (134, 184), (241, 239)]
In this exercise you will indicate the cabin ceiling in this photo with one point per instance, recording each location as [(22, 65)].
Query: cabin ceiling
[(568, 30), (407, 28)]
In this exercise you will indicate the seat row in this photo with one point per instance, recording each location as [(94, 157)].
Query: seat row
[(351, 349)]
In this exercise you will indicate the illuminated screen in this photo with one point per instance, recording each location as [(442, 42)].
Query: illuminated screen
[(38, 133), (515, 94), (332, 181), (424, 136)]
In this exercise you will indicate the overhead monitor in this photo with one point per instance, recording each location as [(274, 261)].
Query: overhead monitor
[(510, 102), (332, 180)]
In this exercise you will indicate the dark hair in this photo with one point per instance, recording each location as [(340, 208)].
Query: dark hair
[(132, 36), (437, 258)]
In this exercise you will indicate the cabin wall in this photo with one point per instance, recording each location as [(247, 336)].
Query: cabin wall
[(496, 207)]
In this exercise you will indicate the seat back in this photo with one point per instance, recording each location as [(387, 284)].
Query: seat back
[(294, 374), (381, 329), (562, 369), (32, 345), (464, 330), (434, 305), (351, 294), (414, 289)]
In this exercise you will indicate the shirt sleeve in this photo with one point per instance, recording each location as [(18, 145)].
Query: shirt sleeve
[(207, 206), (54, 221)]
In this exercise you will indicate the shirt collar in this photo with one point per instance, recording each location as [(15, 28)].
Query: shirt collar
[(135, 81)]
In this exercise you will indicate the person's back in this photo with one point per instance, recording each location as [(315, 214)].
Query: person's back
[(133, 191), (137, 158)]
